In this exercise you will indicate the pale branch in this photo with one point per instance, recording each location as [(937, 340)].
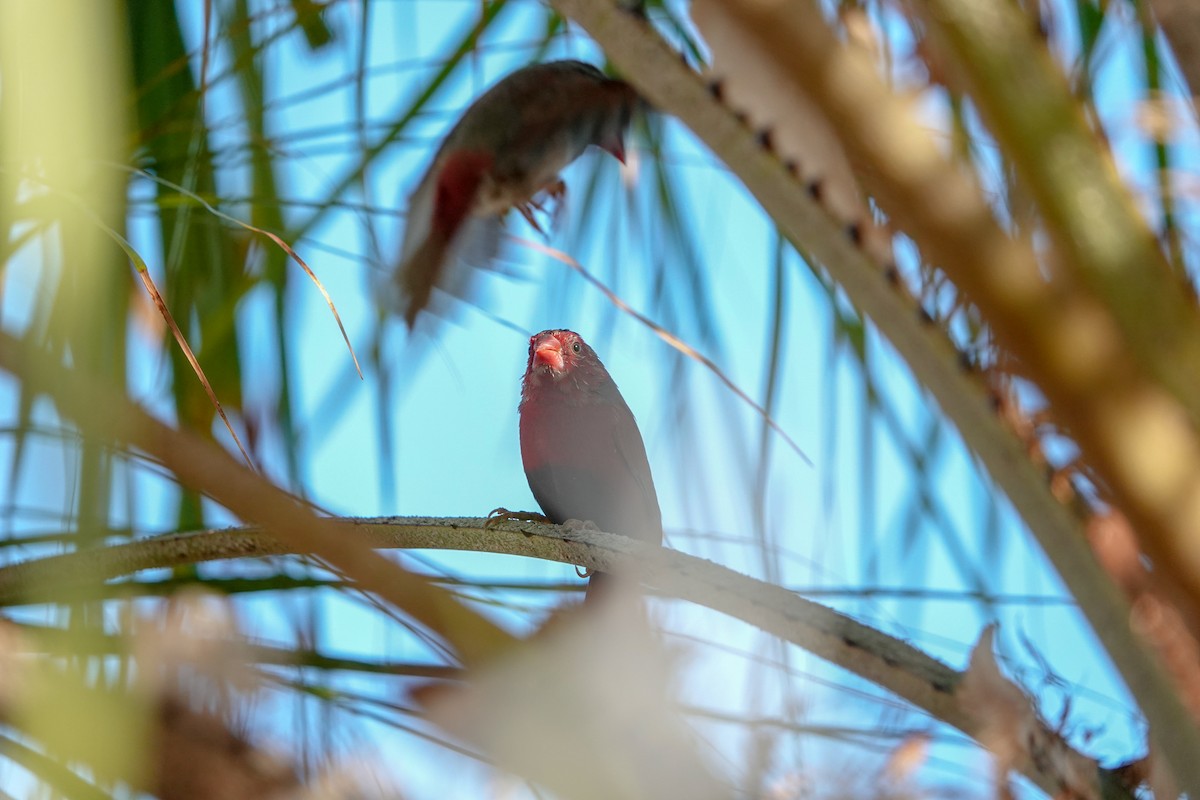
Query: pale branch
[(870, 654), (933, 200)]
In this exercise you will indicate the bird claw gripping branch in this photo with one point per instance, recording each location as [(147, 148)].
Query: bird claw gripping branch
[(502, 514)]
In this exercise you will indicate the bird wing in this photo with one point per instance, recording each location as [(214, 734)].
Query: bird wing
[(399, 288), (428, 261), (632, 451), (419, 218)]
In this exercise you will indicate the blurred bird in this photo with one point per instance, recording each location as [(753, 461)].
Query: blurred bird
[(580, 445), (507, 148)]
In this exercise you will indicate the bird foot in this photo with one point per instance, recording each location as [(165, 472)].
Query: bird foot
[(502, 514), (554, 191), (527, 210)]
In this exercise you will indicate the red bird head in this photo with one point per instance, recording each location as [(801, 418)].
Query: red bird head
[(622, 100), (562, 359), (603, 107)]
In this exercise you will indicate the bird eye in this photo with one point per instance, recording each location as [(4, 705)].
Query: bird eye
[(575, 347)]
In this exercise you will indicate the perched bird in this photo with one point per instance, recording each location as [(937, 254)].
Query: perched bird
[(507, 148), (580, 445)]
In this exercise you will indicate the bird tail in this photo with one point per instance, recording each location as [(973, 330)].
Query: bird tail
[(610, 590), (437, 211), (598, 587), (419, 273)]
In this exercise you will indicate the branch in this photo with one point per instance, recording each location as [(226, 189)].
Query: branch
[(861, 650)]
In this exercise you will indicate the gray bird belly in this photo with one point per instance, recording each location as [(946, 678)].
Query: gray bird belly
[(614, 506)]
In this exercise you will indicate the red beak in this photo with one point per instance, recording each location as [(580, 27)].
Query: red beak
[(548, 351), (617, 148)]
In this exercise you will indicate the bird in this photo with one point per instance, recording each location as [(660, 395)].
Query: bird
[(581, 448), (506, 150)]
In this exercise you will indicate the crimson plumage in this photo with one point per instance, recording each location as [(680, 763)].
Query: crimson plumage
[(580, 445), (508, 147)]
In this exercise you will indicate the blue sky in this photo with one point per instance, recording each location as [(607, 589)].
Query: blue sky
[(845, 521)]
